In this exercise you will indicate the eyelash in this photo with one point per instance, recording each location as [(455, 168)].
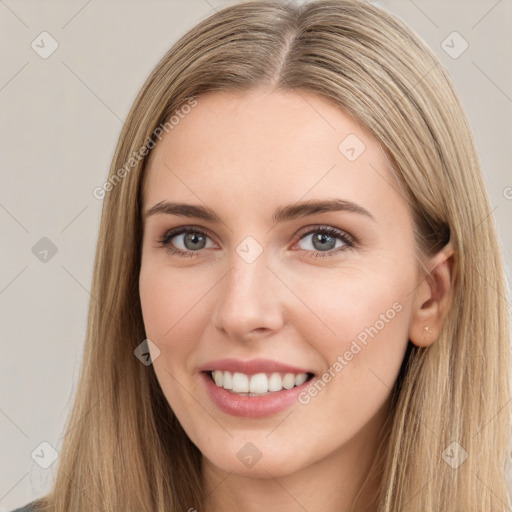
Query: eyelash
[(349, 241)]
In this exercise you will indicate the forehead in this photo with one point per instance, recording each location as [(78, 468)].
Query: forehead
[(254, 147)]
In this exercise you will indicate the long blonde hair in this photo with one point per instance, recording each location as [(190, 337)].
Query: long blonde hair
[(124, 449)]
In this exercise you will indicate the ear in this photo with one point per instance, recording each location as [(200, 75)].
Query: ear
[(432, 298)]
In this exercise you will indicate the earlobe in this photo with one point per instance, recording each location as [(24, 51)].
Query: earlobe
[(433, 299)]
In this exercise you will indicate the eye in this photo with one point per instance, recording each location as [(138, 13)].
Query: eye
[(189, 241), (324, 241)]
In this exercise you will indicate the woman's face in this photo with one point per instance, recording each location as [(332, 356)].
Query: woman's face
[(266, 278)]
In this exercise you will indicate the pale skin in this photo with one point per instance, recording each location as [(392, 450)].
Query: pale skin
[(243, 156)]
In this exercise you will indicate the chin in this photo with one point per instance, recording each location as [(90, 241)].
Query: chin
[(250, 459)]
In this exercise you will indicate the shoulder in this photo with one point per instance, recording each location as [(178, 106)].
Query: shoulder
[(29, 507)]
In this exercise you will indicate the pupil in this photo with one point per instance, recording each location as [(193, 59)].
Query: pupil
[(324, 238), (193, 238)]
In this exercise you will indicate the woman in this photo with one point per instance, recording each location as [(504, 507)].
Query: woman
[(298, 288)]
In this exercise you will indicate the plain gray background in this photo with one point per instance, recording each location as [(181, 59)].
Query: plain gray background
[(60, 120)]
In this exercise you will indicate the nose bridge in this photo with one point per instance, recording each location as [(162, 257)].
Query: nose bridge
[(250, 298)]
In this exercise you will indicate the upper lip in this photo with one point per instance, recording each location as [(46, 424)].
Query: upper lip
[(252, 366)]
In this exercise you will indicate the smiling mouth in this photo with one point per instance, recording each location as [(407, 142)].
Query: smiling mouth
[(258, 384)]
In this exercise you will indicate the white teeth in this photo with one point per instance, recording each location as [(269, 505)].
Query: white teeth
[(227, 381), (259, 383), (289, 381), (275, 383), (240, 383), (300, 379), (217, 377)]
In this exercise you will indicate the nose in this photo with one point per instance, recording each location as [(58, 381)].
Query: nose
[(250, 300)]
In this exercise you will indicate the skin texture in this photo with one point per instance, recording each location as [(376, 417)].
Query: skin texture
[(243, 156)]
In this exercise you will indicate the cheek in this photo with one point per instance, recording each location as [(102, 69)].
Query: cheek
[(170, 310), (353, 305), (175, 314), (359, 324), (167, 298)]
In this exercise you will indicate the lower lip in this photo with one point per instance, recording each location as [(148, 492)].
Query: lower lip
[(252, 406)]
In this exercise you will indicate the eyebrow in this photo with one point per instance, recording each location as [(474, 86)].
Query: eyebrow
[(283, 213)]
